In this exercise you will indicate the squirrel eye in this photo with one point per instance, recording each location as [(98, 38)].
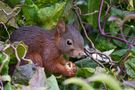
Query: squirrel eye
[(69, 42)]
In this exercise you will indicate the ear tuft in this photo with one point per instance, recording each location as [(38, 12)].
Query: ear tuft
[(61, 27), (76, 25)]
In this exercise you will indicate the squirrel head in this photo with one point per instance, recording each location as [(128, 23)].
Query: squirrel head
[(69, 40)]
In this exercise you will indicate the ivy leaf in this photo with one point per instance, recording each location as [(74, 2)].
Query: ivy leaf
[(23, 74), (117, 12), (104, 44), (42, 3), (21, 49), (85, 72), (7, 13), (116, 55), (86, 63), (30, 12), (13, 3), (38, 80), (5, 78), (130, 67), (133, 50), (130, 5), (79, 82), (111, 83), (130, 83), (4, 61), (49, 16), (92, 7), (8, 86), (52, 82)]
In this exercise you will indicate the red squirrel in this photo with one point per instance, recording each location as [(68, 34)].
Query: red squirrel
[(47, 47)]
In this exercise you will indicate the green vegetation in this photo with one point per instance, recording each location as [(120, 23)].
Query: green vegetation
[(110, 25)]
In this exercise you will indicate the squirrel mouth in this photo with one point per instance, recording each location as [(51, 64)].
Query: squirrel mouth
[(77, 54)]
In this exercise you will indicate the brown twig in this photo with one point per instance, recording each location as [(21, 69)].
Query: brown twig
[(88, 14), (77, 12), (106, 16), (124, 59), (102, 32)]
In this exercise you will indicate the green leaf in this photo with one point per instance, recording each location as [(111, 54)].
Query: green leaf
[(52, 82), (13, 3), (104, 44), (42, 3), (106, 79), (116, 55), (93, 5), (85, 72), (114, 29), (6, 78), (133, 50), (7, 13), (23, 74), (119, 43), (37, 82), (30, 12), (49, 16), (11, 54), (130, 5), (130, 67), (117, 12), (79, 82), (1, 57), (21, 49), (4, 64), (8, 86), (86, 63)]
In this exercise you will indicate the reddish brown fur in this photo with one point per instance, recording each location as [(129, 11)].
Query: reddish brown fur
[(44, 48)]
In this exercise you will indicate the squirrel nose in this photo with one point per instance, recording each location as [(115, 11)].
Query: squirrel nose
[(79, 53)]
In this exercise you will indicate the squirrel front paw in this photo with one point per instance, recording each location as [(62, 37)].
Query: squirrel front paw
[(71, 69)]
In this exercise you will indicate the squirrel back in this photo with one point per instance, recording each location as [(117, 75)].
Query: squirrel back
[(46, 48)]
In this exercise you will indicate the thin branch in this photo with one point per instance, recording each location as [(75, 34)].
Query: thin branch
[(92, 13), (102, 32), (99, 18), (89, 55), (132, 37), (77, 12), (106, 16)]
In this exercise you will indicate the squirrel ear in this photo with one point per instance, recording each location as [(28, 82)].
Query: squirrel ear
[(61, 27), (76, 25)]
